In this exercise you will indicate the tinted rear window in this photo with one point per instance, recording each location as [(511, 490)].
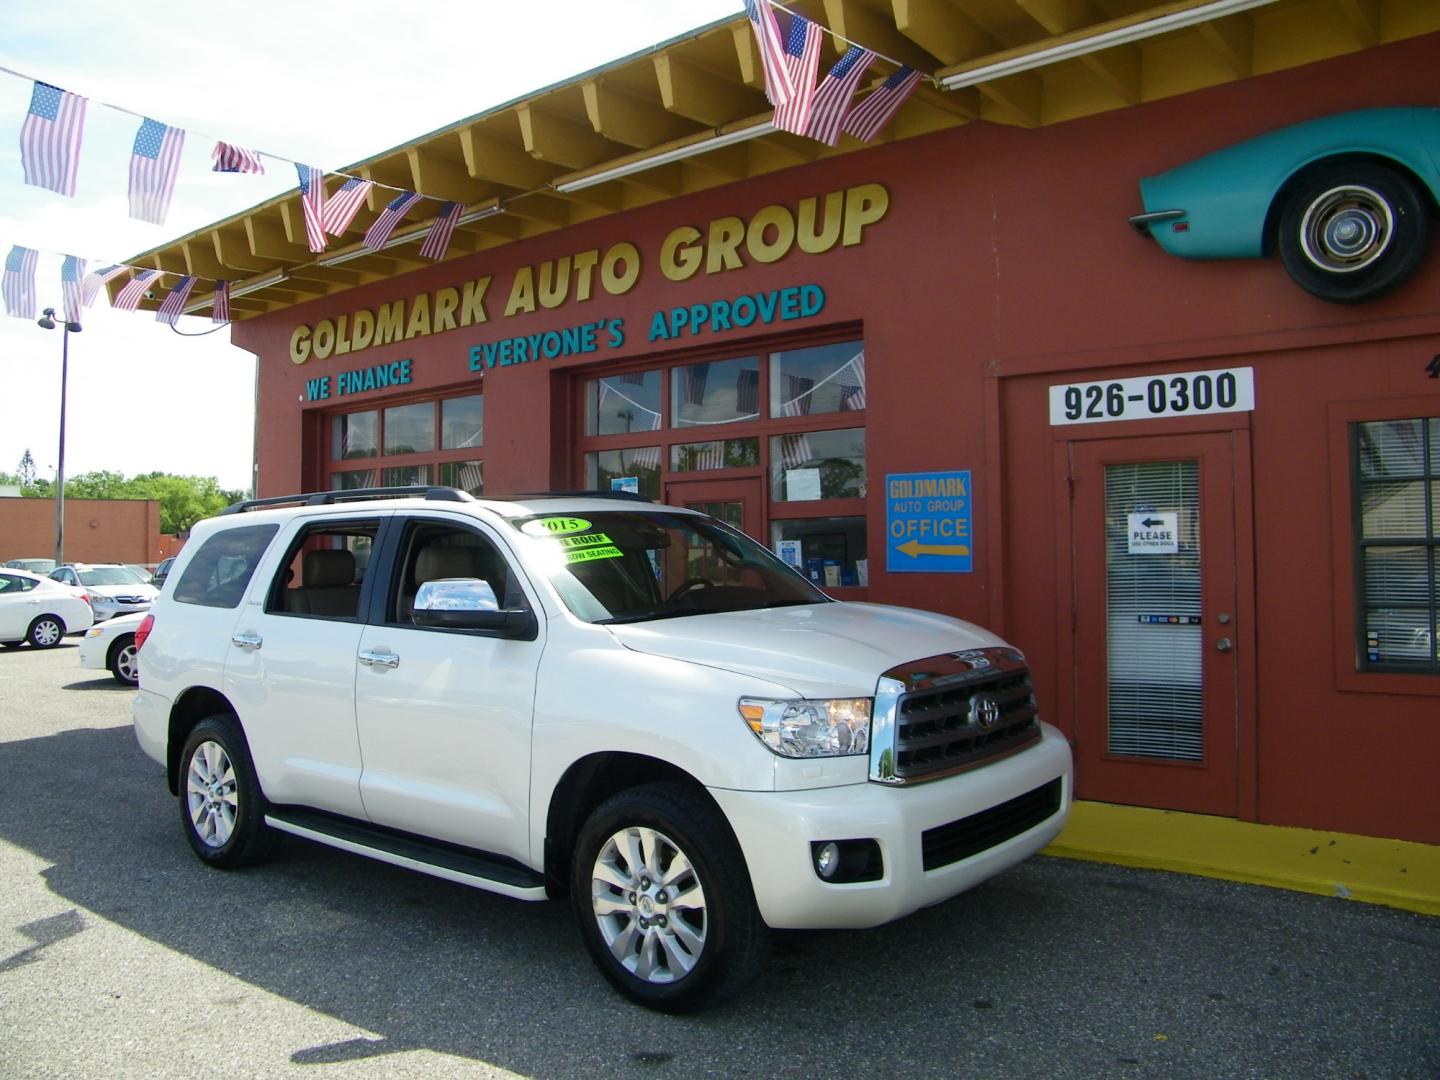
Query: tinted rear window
[(220, 571)]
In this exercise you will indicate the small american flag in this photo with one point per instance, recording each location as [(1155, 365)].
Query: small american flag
[(853, 396), (779, 86), (221, 312), (19, 282), (236, 159), (50, 138), (174, 303), (389, 218), (312, 203), (798, 391), (832, 99), (642, 457), (342, 206), (437, 241), (795, 451), (872, 114), (129, 297), (802, 60), (154, 164), (72, 278), (90, 288)]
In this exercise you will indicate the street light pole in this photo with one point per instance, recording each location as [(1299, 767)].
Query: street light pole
[(47, 320)]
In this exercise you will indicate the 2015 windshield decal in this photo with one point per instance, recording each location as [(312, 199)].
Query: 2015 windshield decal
[(556, 526)]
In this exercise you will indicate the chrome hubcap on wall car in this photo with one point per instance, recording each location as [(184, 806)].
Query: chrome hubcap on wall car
[(126, 664), (1346, 229), (649, 905), (47, 632), (210, 794)]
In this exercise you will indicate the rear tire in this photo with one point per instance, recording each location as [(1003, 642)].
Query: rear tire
[(46, 631), (221, 807), (663, 899)]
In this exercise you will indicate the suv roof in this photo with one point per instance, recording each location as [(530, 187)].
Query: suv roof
[(504, 505)]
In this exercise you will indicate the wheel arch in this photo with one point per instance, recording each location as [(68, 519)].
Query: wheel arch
[(189, 709), (116, 646), (1271, 230), (585, 785)]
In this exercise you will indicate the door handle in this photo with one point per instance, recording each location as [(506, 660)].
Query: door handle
[(382, 659), (1224, 645), (247, 640)]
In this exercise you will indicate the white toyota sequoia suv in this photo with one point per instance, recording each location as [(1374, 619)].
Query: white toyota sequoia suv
[(632, 704)]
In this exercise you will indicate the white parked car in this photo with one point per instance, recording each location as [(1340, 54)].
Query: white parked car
[(110, 646), (39, 610), (114, 589), (635, 705)]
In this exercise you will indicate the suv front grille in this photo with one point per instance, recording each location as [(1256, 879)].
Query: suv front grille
[(954, 727), (946, 844)]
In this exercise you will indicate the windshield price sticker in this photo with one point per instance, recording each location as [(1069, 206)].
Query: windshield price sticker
[(555, 526), (1149, 397)]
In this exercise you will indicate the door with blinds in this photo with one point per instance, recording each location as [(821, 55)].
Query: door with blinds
[(1157, 631)]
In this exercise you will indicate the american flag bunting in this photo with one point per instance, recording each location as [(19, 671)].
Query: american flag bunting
[(343, 204), (128, 299), (19, 282), (389, 218), (866, 119), (90, 287), (437, 240), (779, 86), (852, 395), (174, 304), (832, 99), (50, 138), (802, 60), (72, 280), (221, 311), (154, 164), (236, 159), (312, 204)]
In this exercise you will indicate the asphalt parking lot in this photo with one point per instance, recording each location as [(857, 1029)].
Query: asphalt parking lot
[(120, 955)]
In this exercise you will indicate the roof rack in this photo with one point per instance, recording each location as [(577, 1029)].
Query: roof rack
[(629, 496), (329, 498)]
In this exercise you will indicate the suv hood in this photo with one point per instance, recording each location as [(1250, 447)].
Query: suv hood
[(819, 650)]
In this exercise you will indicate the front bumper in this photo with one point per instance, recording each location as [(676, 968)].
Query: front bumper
[(108, 609), (776, 829)]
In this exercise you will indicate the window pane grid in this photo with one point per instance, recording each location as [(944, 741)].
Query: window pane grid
[(1397, 489)]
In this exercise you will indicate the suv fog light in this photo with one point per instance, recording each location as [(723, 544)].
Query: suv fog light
[(841, 862)]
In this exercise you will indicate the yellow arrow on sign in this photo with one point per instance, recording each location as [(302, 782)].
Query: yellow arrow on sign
[(914, 547)]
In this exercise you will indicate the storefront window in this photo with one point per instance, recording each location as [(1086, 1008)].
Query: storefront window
[(1397, 534), (715, 392), (829, 551), (621, 404), (465, 475), (350, 481), (462, 422), (825, 379), (353, 435), (410, 429), (818, 465), (405, 476), (720, 454), (636, 470)]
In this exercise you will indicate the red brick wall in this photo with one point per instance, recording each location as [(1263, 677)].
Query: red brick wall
[(96, 530)]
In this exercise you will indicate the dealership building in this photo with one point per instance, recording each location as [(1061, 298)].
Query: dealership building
[(944, 369)]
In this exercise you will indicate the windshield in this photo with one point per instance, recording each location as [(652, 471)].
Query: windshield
[(110, 575), (638, 565)]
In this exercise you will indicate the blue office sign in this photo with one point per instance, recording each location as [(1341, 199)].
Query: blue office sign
[(929, 526)]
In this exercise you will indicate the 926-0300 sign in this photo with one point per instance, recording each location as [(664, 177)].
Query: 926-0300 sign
[(1148, 397)]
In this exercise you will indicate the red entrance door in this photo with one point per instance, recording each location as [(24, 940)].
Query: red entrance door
[(737, 502), (1160, 673)]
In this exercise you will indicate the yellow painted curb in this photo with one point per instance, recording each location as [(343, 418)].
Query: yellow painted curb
[(1396, 873)]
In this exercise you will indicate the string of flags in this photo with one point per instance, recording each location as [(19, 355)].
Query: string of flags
[(53, 130)]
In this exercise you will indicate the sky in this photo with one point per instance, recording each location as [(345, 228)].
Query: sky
[(324, 84)]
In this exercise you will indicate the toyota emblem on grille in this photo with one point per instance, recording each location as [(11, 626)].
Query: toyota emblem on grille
[(984, 711)]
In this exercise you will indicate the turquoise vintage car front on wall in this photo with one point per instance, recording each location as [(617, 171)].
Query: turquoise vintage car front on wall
[(1346, 199)]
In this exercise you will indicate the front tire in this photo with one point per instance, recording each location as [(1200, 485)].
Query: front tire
[(124, 662), (46, 631), (221, 808), (663, 899), (1353, 231)]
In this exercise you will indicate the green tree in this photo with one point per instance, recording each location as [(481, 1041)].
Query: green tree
[(27, 469)]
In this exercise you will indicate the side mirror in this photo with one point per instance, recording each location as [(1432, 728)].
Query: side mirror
[(470, 604)]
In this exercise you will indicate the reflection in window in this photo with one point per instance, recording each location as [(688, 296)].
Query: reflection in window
[(719, 454), (832, 550), (350, 481), (716, 392), (623, 403), (410, 429), (465, 475), (824, 379), (462, 422), (635, 470), (405, 476), (352, 435), (818, 465), (1397, 503)]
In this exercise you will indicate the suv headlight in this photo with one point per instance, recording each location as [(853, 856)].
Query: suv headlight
[(801, 728)]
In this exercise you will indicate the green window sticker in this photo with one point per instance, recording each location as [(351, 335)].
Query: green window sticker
[(556, 526), (587, 554), (587, 540)]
